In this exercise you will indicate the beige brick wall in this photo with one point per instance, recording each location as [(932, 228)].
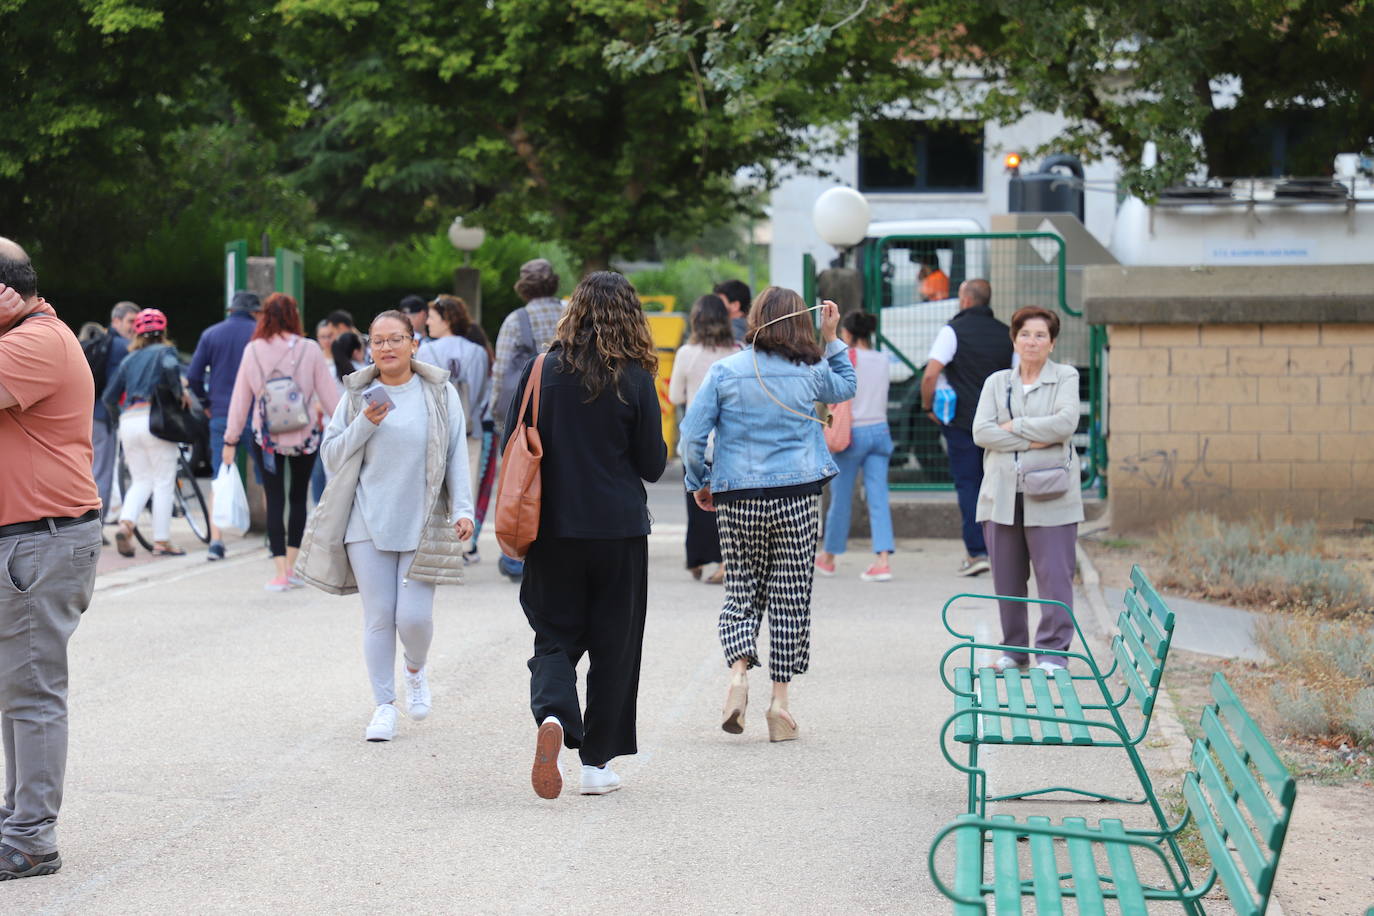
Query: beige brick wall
[(1240, 418)]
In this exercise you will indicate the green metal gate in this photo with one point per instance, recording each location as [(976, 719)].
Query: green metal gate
[(1024, 268)]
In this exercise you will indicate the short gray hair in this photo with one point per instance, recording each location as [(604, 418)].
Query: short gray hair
[(124, 308)]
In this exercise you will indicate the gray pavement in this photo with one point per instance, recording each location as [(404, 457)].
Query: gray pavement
[(1208, 628), (217, 760)]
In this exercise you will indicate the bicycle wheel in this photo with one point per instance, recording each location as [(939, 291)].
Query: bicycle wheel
[(190, 502)]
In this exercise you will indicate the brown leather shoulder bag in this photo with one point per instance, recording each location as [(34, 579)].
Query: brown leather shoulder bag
[(519, 493)]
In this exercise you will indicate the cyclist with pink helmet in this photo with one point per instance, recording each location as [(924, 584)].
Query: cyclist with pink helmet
[(152, 462)]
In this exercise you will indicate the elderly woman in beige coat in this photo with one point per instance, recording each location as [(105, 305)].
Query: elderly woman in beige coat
[(396, 507), (1031, 501)]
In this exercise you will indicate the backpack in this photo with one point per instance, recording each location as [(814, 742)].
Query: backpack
[(282, 402), (97, 351)]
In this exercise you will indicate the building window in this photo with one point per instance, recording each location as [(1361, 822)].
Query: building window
[(930, 157)]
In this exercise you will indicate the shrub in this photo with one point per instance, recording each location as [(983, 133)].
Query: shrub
[(1360, 719), (1303, 710), (1280, 563), (689, 277)]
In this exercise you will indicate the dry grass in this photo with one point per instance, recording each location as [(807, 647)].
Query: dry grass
[(1275, 564)]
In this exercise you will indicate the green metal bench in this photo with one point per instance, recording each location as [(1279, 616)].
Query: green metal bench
[(1239, 795), (1063, 710)]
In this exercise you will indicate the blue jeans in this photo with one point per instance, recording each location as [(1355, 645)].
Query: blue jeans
[(966, 467), (870, 447), (217, 427)]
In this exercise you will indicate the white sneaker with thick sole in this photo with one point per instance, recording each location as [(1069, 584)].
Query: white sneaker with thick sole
[(417, 694), (383, 724), (1006, 661), (599, 780), (1050, 667), (972, 566)]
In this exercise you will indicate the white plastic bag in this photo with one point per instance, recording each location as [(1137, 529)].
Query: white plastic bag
[(231, 502)]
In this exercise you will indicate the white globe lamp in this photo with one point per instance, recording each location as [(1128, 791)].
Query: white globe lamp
[(466, 239), (841, 217)]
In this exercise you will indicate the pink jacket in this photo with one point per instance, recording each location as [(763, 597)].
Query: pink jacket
[(277, 356)]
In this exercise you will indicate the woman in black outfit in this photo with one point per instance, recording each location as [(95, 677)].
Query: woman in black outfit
[(586, 577)]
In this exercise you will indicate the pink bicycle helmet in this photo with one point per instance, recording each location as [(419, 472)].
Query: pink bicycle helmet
[(148, 321)]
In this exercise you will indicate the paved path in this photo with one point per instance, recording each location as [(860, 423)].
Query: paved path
[(1211, 629), (217, 759)]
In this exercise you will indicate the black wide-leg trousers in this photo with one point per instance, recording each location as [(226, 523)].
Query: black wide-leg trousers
[(587, 596)]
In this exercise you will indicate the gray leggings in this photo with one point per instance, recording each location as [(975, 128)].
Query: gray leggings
[(392, 604)]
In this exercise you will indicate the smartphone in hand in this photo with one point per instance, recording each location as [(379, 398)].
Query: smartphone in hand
[(376, 396)]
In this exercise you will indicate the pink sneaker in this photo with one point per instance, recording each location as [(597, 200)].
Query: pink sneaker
[(878, 572), (824, 568), (279, 584)]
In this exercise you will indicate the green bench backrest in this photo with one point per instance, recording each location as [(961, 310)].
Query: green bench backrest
[(1241, 798), (1146, 629)]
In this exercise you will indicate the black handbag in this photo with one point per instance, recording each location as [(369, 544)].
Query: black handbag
[(169, 418)]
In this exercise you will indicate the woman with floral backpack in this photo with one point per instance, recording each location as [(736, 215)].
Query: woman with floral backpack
[(280, 376)]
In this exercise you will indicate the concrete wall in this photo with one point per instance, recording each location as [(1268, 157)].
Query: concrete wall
[(1233, 390)]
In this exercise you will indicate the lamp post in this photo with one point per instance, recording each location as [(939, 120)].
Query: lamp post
[(467, 280), (841, 217)]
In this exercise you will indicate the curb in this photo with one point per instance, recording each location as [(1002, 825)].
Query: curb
[(1168, 726), (164, 572)]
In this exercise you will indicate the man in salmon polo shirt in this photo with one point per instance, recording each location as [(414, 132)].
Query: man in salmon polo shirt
[(49, 545)]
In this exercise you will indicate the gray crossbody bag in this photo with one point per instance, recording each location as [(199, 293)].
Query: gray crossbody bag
[(1042, 473)]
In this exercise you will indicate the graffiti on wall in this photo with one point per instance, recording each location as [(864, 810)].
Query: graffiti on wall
[(1161, 469)]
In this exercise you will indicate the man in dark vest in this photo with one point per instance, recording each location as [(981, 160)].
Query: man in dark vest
[(971, 347)]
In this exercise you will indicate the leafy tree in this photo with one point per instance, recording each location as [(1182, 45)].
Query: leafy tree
[(1127, 73), (601, 123), (101, 100)]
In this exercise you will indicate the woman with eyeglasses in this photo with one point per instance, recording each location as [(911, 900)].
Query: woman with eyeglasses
[(763, 482), (277, 352), (395, 511)]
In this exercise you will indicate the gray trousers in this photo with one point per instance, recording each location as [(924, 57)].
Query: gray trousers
[(103, 441), (1014, 550), (47, 582), (392, 606)]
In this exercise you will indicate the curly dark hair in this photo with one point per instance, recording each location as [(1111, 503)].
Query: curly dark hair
[(279, 315), (793, 339), (603, 330), (711, 323)]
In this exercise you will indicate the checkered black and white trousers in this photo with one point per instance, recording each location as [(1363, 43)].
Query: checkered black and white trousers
[(769, 547)]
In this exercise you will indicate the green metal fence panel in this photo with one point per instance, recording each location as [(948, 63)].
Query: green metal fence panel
[(291, 277), (911, 283), (235, 269), (809, 280)]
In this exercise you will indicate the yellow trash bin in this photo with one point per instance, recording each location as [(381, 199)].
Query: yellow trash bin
[(668, 330)]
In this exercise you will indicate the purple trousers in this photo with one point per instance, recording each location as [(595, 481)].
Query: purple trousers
[(1014, 550)]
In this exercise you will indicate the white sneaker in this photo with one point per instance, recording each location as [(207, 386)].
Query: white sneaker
[(1006, 661), (972, 566), (383, 724), (1050, 667), (417, 694), (472, 557), (599, 780)]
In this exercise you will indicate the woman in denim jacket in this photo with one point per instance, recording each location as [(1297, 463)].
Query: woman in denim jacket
[(769, 464)]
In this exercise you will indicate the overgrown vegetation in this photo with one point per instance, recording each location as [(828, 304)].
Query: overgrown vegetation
[(1279, 563), (1325, 671)]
